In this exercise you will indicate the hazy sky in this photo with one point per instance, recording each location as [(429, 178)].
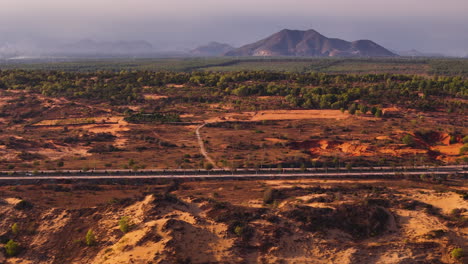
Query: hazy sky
[(426, 25)]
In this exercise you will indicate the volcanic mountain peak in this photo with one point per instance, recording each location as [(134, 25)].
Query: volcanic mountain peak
[(310, 43)]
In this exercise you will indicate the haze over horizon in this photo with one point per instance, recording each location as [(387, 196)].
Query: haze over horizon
[(426, 25)]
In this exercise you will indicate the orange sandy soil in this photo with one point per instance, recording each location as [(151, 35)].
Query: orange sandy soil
[(154, 96), (267, 137), (195, 222), (280, 115), (324, 136)]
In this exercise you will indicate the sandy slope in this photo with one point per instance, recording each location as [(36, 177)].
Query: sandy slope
[(187, 227)]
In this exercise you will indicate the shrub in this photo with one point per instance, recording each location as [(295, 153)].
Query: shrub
[(152, 118), (464, 149), (26, 156), (124, 224), (378, 113), (465, 139), (270, 195), (239, 230), (243, 231), (208, 166), (90, 238), (465, 196), (435, 234), (103, 148), (408, 140), (363, 108), (12, 248), (352, 109), (15, 228), (457, 253), (453, 139), (23, 205)]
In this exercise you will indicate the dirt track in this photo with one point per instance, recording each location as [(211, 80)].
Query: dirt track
[(202, 147)]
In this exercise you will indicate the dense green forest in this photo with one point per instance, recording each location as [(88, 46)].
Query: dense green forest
[(308, 90)]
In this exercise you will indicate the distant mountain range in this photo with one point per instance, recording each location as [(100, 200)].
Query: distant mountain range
[(287, 42), (310, 43), (89, 46), (416, 53), (212, 49)]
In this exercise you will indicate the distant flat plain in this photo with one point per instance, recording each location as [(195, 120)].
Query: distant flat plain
[(400, 65)]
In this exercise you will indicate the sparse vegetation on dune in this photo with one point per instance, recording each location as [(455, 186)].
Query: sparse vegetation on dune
[(360, 221), (90, 238), (11, 248)]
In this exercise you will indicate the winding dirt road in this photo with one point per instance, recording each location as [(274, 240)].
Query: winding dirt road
[(202, 146)]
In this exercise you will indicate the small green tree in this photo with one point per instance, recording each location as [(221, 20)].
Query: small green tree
[(457, 253), (90, 238), (15, 229), (408, 140), (12, 248), (378, 113), (124, 224), (363, 108), (243, 231), (239, 230)]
